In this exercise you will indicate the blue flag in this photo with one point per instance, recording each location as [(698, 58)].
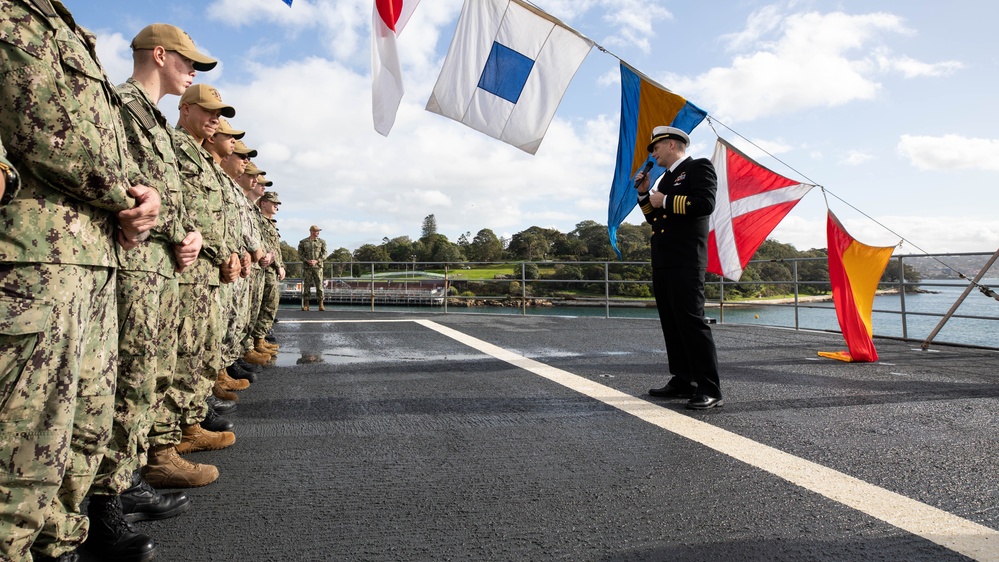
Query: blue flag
[(644, 106), (288, 2)]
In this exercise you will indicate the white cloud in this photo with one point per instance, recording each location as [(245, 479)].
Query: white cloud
[(856, 157), (911, 68), (116, 56), (950, 152), (791, 62)]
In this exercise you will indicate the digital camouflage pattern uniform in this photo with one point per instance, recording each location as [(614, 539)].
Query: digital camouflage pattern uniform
[(147, 298), (9, 191), (61, 124), (200, 333), (240, 303), (312, 275), (271, 297), (258, 278)]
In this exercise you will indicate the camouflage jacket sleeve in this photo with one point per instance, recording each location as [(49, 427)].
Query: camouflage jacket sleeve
[(150, 143), (60, 115)]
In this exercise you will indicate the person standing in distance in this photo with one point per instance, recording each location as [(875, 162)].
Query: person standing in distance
[(678, 207), (312, 252)]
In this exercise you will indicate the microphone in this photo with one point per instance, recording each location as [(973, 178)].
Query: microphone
[(645, 172)]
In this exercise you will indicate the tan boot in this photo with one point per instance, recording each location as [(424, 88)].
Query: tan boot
[(226, 382), (260, 346), (167, 469), (305, 307), (322, 306), (223, 394), (256, 358), (266, 344), (195, 438)]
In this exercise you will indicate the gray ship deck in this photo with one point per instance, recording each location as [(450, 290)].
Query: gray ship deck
[(421, 436)]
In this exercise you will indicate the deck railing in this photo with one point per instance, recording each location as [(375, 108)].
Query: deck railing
[(806, 303)]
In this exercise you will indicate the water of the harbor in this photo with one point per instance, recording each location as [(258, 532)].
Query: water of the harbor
[(923, 311)]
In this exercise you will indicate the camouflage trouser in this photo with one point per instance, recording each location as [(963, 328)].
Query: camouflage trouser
[(256, 294), (235, 299), (57, 376), (198, 359), (160, 433), (269, 301), (312, 277), (140, 344)]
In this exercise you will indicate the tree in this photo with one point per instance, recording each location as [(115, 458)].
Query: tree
[(370, 252), (429, 227), (289, 255), (400, 249), (485, 247), (533, 244), (341, 258)]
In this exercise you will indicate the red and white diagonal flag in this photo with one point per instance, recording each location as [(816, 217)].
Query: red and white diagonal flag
[(750, 202), (388, 19)]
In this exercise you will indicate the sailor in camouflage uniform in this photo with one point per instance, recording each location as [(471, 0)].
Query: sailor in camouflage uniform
[(271, 298), (61, 126), (312, 252), (165, 61), (200, 334)]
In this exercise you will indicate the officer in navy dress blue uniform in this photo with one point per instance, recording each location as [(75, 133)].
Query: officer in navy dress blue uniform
[(678, 207)]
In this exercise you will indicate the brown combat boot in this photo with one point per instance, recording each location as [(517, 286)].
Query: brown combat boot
[(195, 438), (322, 305), (167, 469), (260, 346), (256, 358), (225, 382), (266, 344), (223, 394)]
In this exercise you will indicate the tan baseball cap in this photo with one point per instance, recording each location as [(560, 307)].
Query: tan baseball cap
[(172, 38), (208, 98), (314, 228), (264, 181), (252, 170), (242, 149), (226, 129)]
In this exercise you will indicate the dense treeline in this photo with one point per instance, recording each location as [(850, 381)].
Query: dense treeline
[(588, 243)]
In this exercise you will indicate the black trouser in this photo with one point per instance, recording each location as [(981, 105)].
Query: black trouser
[(690, 348)]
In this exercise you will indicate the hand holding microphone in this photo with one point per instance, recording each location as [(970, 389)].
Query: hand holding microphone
[(642, 178)]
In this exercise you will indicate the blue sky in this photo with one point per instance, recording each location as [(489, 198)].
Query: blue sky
[(889, 105)]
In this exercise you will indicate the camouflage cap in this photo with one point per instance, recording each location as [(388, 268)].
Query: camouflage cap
[(208, 98), (242, 150), (172, 38), (264, 181), (271, 196), (226, 129)]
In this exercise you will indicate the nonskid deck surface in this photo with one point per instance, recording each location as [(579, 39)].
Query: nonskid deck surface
[(473, 437)]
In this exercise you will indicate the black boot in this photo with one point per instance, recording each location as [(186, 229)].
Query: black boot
[(65, 557), (113, 538), (142, 502), (237, 372), (215, 422), (270, 338), (221, 407), (247, 366)]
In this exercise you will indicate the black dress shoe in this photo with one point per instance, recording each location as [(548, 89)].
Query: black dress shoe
[(221, 407), (215, 422), (672, 392), (142, 502), (237, 372), (704, 402)]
